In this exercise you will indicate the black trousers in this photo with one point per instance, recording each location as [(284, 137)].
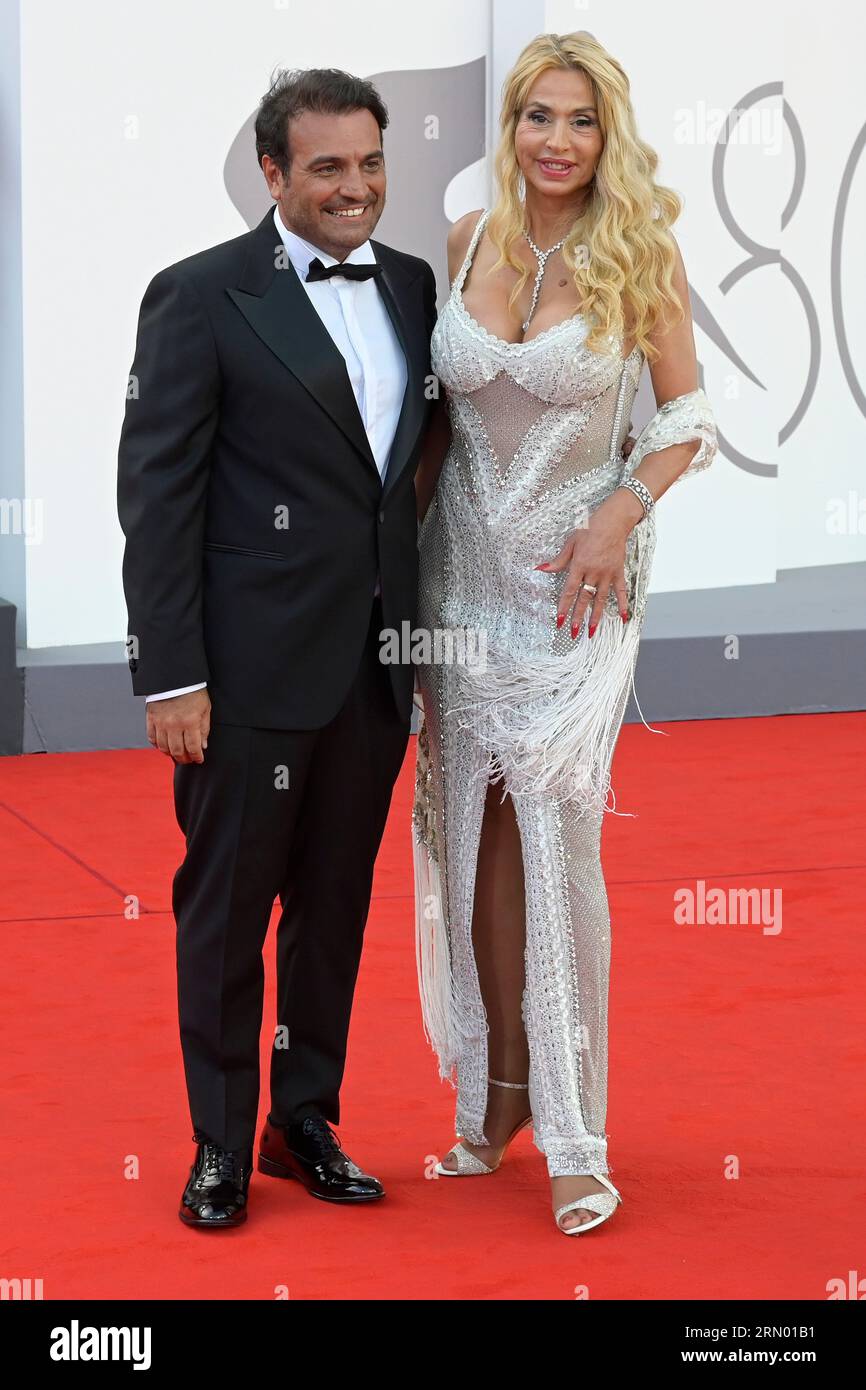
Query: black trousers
[(299, 815)]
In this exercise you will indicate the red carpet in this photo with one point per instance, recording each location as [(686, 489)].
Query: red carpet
[(728, 1046)]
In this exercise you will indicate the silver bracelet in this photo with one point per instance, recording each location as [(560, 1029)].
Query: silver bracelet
[(642, 493)]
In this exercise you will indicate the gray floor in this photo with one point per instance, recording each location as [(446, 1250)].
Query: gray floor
[(793, 647)]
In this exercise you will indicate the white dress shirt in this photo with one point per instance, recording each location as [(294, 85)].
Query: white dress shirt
[(354, 314)]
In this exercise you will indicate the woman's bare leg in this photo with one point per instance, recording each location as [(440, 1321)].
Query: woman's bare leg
[(499, 938)]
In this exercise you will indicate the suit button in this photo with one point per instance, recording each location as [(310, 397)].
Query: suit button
[(381, 516)]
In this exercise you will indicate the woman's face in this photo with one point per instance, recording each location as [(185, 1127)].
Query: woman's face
[(558, 139)]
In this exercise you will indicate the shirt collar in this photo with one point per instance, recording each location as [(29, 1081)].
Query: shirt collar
[(301, 252)]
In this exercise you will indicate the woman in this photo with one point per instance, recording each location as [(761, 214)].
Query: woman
[(536, 549)]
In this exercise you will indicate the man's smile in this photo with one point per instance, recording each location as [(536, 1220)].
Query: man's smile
[(348, 212)]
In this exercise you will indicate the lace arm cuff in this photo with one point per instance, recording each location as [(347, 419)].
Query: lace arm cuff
[(676, 422)]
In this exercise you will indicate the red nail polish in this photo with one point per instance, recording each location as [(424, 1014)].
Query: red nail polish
[(624, 617), (541, 567), (574, 630), (560, 619), (592, 628)]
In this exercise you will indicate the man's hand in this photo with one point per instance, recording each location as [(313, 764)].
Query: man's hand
[(179, 727)]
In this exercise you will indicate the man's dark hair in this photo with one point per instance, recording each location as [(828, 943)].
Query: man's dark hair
[(327, 91)]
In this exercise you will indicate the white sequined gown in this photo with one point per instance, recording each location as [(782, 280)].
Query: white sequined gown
[(538, 429)]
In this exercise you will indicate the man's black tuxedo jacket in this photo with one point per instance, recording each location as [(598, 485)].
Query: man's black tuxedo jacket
[(240, 411)]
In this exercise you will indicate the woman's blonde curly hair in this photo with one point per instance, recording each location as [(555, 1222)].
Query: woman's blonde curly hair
[(619, 250)]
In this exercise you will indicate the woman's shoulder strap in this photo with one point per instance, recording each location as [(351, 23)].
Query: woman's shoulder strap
[(470, 250)]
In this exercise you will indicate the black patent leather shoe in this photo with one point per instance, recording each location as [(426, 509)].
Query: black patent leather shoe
[(309, 1150), (215, 1196)]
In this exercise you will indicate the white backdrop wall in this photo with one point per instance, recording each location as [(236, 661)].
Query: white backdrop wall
[(823, 461), (129, 112)]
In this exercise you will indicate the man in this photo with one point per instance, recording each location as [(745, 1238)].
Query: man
[(266, 493)]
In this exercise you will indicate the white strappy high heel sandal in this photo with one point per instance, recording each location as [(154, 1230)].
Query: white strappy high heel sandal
[(605, 1203), (468, 1163)]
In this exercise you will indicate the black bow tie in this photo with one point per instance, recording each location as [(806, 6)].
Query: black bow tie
[(352, 272)]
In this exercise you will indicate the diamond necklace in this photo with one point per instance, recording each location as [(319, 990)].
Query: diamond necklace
[(541, 257)]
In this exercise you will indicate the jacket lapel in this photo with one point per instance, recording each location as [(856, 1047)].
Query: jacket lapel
[(276, 306), (394, 286)]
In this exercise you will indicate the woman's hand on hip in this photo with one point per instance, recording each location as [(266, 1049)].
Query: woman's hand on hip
[(595, 554)]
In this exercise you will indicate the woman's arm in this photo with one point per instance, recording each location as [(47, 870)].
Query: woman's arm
[(437, 439), (674, 374), (663, 453)]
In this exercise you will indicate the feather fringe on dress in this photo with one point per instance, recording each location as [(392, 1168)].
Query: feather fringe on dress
[(559, 743)]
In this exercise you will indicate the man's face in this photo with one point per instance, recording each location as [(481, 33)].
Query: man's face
[(334, 192)]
